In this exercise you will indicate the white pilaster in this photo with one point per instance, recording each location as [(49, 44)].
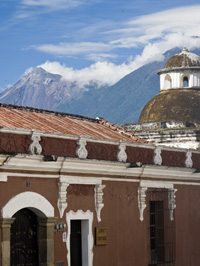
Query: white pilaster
[(171, 202), (99, 200), (142, 201), (62, 197)]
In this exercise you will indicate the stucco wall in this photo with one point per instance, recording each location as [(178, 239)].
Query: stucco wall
[(187, 226)]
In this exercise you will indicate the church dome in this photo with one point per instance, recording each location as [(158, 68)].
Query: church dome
[(181, 71), (185, 59), (179, 99), (173, 105)]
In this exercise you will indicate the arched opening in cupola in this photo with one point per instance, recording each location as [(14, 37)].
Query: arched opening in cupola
[(168, 82), (185, 82)]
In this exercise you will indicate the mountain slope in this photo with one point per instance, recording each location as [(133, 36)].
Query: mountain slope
[(124, 101), (39, 89), (121, 102)]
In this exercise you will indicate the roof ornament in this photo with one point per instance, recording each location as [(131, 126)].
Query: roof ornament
[(81, 151), (188, 161), (157, 156), (35, 148), (121, 155), (185, 50)]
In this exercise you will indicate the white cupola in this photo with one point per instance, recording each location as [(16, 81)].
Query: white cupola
[(182, 71)]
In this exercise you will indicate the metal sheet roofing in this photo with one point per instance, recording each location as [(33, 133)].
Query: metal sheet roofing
[(19, 117)]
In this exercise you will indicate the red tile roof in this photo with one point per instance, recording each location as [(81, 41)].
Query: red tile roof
[(19, 117)]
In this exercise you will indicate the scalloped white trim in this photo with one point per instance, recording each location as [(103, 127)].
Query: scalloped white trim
[(87, 236)]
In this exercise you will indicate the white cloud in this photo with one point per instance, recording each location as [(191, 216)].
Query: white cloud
[(155, 33), (71, 49), (101, 72), (29, 70), (161, 31), (33, 8), (52, 4), (177, 16)]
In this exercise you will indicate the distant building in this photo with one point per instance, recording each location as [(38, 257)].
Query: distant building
[(172, 118)]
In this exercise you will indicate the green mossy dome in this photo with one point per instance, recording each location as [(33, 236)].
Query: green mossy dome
[(173, 105), (185, 59)]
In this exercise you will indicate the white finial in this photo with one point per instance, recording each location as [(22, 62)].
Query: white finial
[(185, 50)]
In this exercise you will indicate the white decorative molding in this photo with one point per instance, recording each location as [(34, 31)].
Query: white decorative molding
[(3, 177), (35, 147), (86, 235), (31, 200), (145, 184), (81, 151), (62, 197), (121, 155), (142, 201), (156, 184), (188, 161), (171, 202), (98, 197), (157, 156)]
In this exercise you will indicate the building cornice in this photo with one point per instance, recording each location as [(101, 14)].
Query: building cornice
[(178, 69), (85, 170)]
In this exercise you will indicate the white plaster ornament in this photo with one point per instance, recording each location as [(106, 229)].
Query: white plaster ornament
[(157, 156), (81, 151), (62, 197), (188, 161), (142, 201), (121, 155), (99, 200), (171, 202), (35, 147)]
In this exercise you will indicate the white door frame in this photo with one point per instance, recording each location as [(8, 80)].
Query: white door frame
[(86, 235)]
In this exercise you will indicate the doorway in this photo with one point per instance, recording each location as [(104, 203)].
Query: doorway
[(83, 231), (76, 243), (162, 230), (24, 248)]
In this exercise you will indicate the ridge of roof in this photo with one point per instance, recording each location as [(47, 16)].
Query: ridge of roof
[(122, 131), (51, 112)]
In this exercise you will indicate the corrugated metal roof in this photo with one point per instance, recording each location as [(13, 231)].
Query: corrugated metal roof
[(19, 117)]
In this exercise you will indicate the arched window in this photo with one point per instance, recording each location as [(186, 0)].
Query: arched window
[(185, 82), (168, 82)]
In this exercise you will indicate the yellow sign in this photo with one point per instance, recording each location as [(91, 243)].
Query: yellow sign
[(101, 236)]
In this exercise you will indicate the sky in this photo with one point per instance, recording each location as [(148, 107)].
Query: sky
[(92, 40)]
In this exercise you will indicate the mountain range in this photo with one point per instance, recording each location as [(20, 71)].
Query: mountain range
[(120, 103)]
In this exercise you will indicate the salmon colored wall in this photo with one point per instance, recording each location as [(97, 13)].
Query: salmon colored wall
[(15, 185), (58, 146), (173, 158), (128, 237), (187, 225), (14, 143)]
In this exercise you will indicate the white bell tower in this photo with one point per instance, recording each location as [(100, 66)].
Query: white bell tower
[(182, 71)]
